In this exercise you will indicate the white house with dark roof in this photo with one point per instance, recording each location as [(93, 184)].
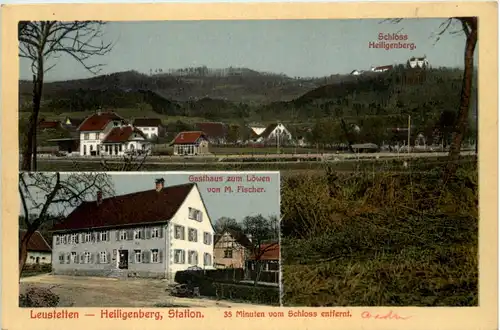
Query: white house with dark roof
[(275, 132), (418, 62), (152, 233)]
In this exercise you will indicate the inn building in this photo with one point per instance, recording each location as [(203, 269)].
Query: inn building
[(152, 233)]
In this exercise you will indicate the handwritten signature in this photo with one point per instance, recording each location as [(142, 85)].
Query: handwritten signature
[(388, 316)]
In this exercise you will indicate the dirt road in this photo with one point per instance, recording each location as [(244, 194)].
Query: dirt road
[(80, 291)]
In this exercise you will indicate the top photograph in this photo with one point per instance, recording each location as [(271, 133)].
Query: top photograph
[(288, 95)]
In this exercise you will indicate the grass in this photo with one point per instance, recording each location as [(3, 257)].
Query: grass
[(381, 239)]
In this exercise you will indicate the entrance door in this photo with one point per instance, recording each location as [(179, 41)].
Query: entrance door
[(123, 261)]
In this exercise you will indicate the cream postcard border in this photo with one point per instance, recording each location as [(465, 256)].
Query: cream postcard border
[(483, 317)]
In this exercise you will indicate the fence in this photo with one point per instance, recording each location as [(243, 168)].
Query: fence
[(265, 276)]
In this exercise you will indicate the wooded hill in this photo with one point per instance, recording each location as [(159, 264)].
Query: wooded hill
[(388, 97)]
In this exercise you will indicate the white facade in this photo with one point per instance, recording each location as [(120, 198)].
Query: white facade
[(149, 131), (418, 63), (149, 250), (91, 142), (184, 218)]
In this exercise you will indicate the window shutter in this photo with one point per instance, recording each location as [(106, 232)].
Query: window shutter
[(160, 256), (147, 257), (148, 233), (131, 257), (77, 259), (82, 256), (108, 233), (98, 257), (130, 235), (108, 257), (160, 232), (92, 258), (117, 235), (93, 237), (98, 237)]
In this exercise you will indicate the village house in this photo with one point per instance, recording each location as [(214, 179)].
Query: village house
[(257, 129), (231, 249), (151, 127), (49, 125), (418, 63), (216, 133), (382, 68), (190, 143), (39, 251), (106, 133), (267, 258), (275, 133), (152, 233)]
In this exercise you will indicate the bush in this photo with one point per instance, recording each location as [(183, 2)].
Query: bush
[(38, 297)]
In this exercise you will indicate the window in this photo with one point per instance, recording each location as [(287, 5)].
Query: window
[(104, 236), (195, 214), (207, 259), (138, 234), (123, 235), (207, 238), (138, 256), (58, 240), (61, 258), (228, 253), (179, 256), (87, 257), (87, 238), (84, 150), (103, 258), (86, 136), (179, 232), (155, 233), (193, 235), (192, 257), (73, 239), (155, 256), (73, 257)]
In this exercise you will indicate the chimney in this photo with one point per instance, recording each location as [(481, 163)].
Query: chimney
[(160, 184), (99, 197)]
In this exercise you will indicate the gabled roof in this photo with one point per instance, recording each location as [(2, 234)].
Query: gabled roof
[(384, 67), (98, 121), (270, 251), (36, 242), (138, 208), (147, 122), (121, 134), (75, 121), (213, 130), (188, 137), (238, 237), (268, 130)]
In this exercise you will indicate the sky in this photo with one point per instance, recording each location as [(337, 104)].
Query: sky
[(233, 205), (305, 48)]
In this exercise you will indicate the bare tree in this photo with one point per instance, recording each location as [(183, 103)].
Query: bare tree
[(264, 236), (41, 41), (47, 196), (467, 26)]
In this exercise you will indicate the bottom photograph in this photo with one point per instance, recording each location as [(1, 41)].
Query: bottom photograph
[(149, 239)]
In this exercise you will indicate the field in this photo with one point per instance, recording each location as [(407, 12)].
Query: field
[(381, 239), (81, 291)]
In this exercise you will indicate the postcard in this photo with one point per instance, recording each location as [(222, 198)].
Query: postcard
[(255, 165)]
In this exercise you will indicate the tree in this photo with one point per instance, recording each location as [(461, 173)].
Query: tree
[(468, 26), (40, 41), (224, 223), (264, 235), (48, 196)]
